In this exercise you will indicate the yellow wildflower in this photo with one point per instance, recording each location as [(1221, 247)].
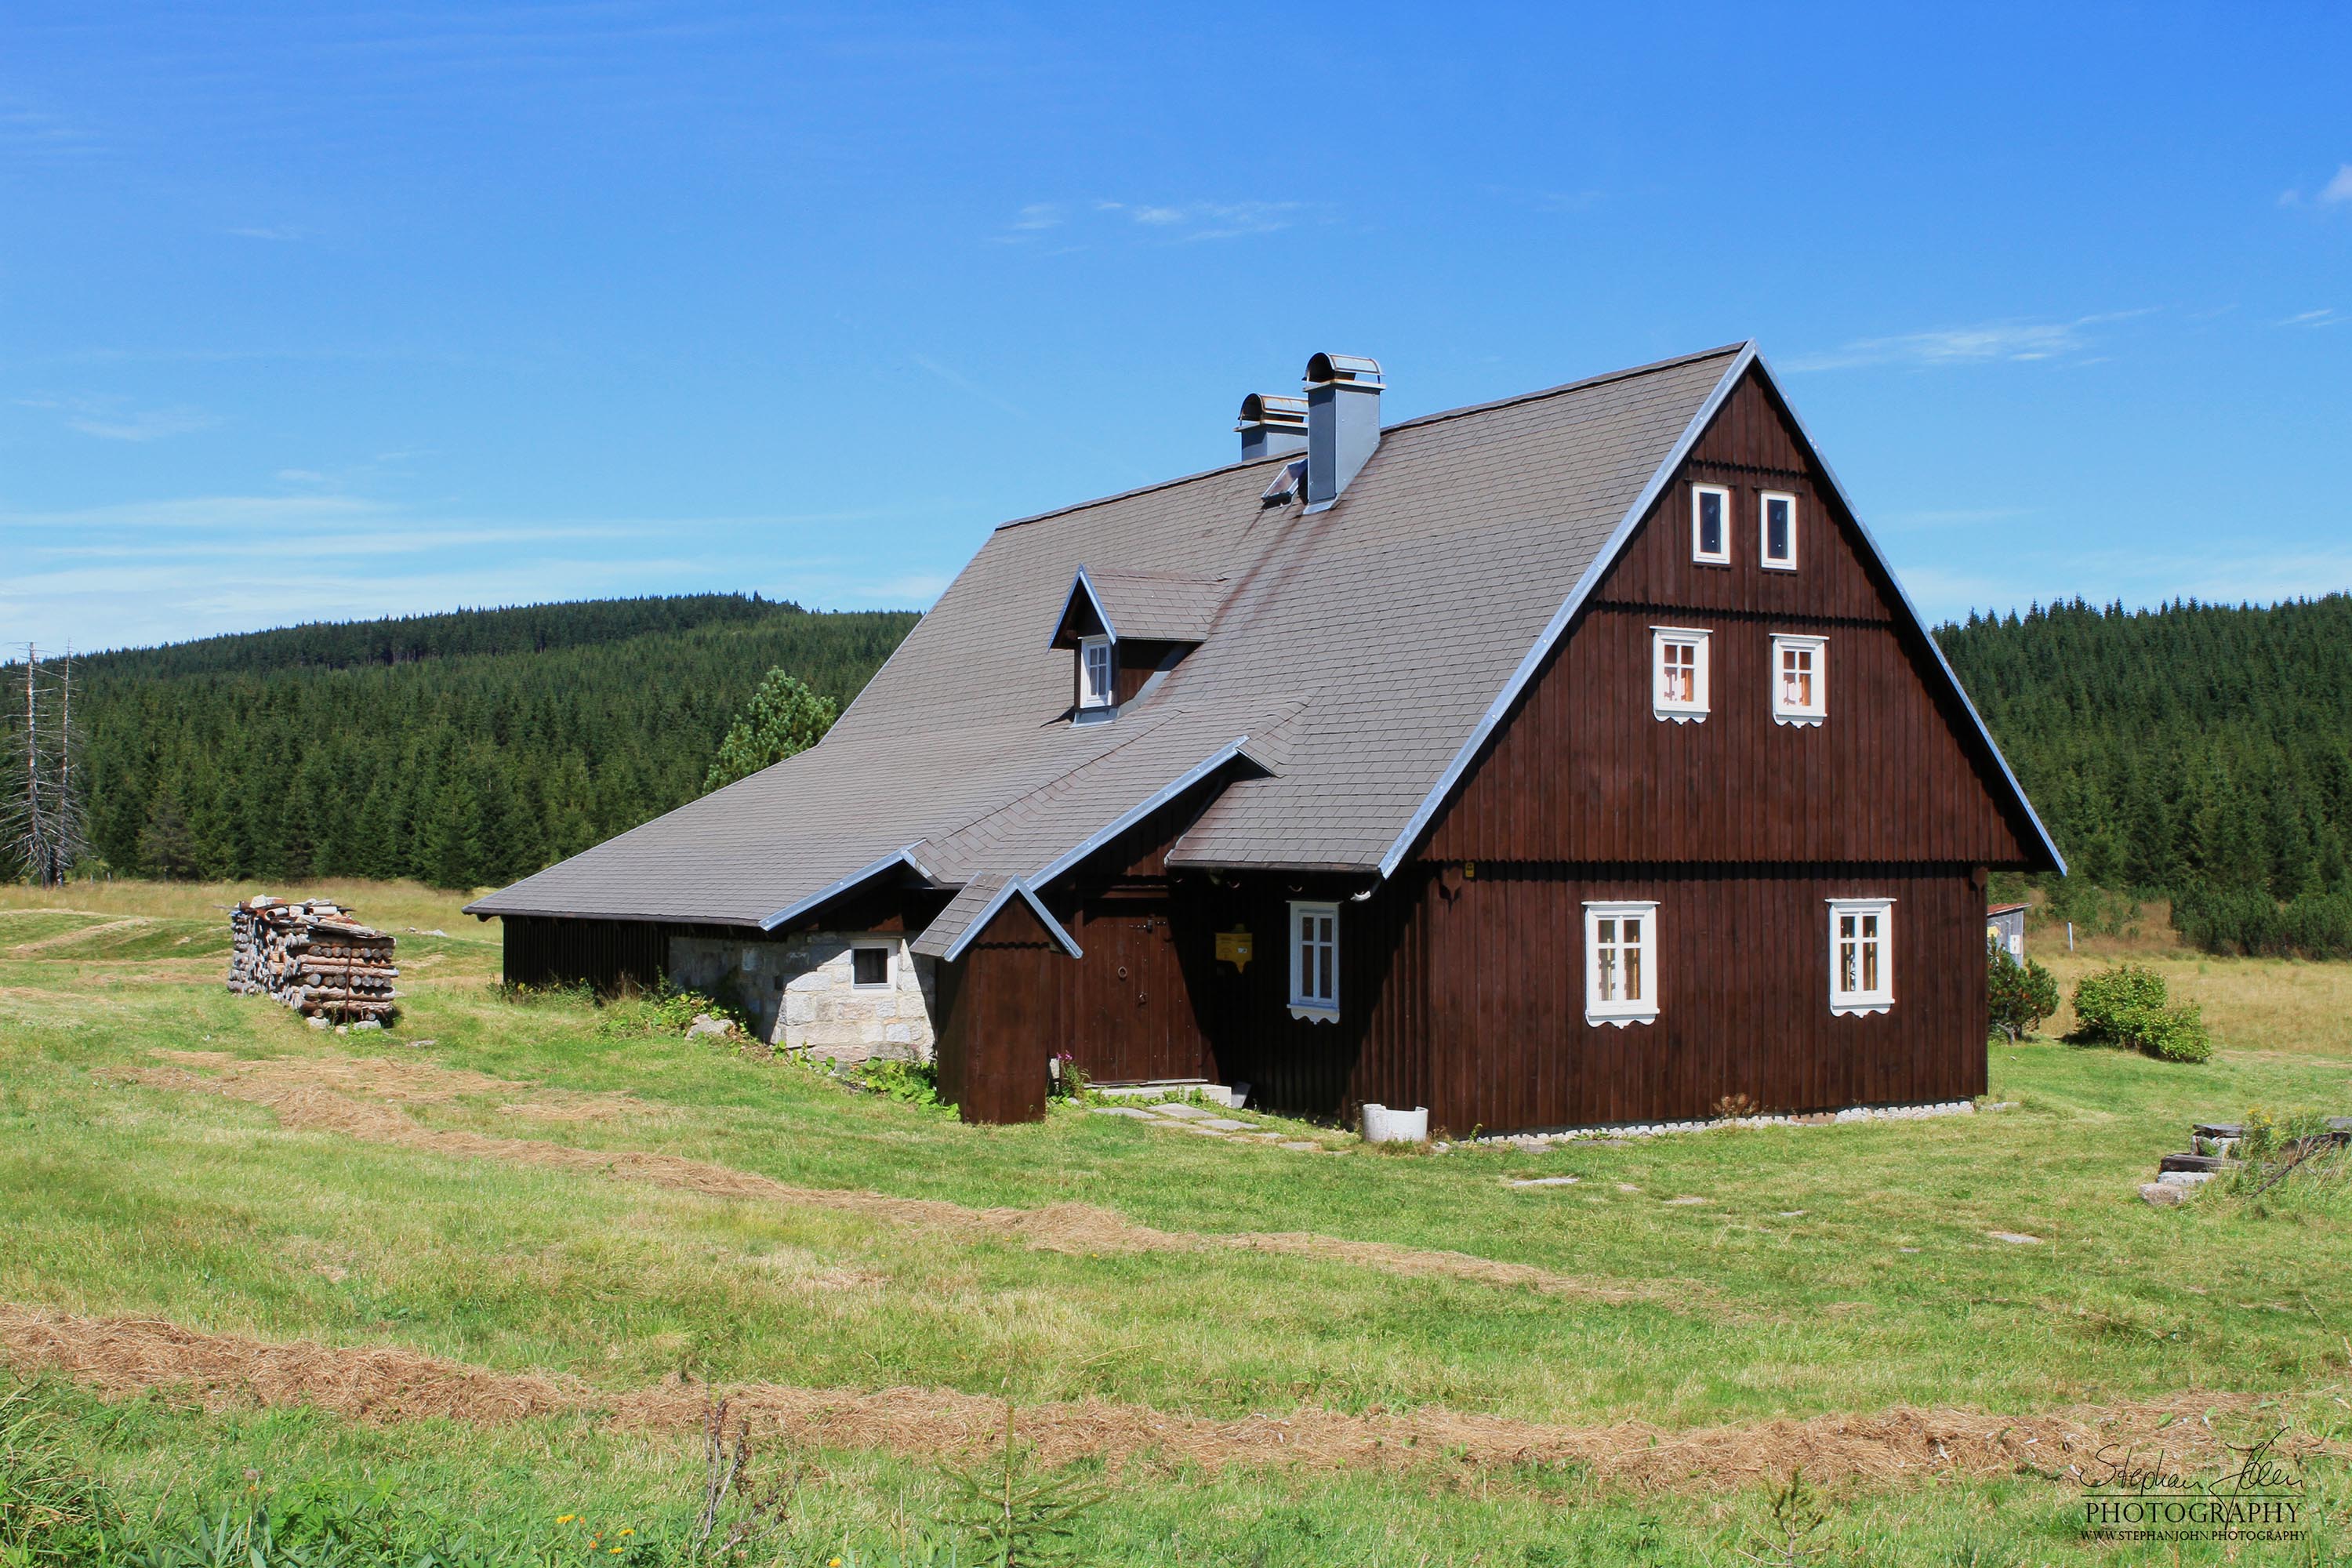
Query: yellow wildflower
[(566, 1518), (628, 1532)]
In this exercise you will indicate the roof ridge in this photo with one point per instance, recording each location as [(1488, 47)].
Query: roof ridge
[(1653, 368)]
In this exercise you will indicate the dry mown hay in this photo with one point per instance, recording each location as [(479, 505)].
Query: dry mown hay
[(125, 1356), (287, 1085)]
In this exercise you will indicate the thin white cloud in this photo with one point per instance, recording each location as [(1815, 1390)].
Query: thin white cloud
[(283, 233), (2328, 317), (112, 419), (1170, 221), (1992, 342), (2338, 189)]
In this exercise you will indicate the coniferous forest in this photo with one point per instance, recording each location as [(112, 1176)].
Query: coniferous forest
[(2200, 752), (2197, 751), (464, 749)]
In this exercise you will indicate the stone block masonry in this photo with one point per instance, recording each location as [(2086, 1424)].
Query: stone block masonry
[(803, 993)]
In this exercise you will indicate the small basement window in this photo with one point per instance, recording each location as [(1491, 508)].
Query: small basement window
[(869, 966), (1777, 515), (1315, 962), (1797, 672), (1711, 524), (1862, 955), (1096, 664), (1678, 673), (1621, 971)]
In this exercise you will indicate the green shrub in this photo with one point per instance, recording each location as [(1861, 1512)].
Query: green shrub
[(2126, 1006), (909, 1083), (2022, 994)]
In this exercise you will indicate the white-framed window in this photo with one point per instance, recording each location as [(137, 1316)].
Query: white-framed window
[(1711, 524), (1862, 955), (1621, 969), (1776, 518), (869, 965), (1315, 962), (1678, 673), (1094, 677), (1799, 667)]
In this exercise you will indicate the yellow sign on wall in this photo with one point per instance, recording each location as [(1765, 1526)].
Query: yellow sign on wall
[(1235, 947)]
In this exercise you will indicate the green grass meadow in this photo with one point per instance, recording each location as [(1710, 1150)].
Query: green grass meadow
[(1829, 1270)]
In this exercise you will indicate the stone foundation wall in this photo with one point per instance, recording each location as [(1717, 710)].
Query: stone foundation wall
[(801, 992)]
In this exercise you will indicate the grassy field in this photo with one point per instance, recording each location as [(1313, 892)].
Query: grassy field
[(478, 1198)]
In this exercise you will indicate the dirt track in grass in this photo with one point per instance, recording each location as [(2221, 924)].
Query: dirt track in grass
[(304, 1093), (125, 1357)]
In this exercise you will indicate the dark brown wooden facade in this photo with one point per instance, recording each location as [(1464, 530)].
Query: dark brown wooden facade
[(1463, 975)]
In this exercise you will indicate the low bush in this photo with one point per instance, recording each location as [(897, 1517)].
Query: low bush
[(2022, 994), (909, 1083), (2126, 1006)]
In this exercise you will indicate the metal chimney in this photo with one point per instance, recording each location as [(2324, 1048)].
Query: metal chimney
[(1272, 423), (1343, 422)]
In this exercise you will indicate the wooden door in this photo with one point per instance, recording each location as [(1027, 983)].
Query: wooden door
[(1134, 1019)]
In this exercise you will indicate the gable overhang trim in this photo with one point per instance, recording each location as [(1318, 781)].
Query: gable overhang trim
[(1497, 710), (1078, 853), (996, 906), (1081, 584), (905, 857)]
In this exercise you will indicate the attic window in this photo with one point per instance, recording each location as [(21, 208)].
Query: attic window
[(1711, 525), (1094, 665), (1777, 516)]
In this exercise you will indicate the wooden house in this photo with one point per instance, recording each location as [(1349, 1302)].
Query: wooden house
[(1570, 759)]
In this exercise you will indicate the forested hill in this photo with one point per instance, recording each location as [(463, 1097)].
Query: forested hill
[(2195, 749), (466, 749)]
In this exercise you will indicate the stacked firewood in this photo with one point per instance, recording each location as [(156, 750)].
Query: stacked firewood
[(312, 956)]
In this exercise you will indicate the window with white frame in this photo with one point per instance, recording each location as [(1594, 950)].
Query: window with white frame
[(1711, 524), (869, 966), (1862, 955), (1776, 517), (1315, 962), (1621, 971), (1799, 668), (1095, 666), (1678, 673)]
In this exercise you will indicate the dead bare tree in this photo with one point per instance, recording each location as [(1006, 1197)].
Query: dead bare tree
[(44, 827)]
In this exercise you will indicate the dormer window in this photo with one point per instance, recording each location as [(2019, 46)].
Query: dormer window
[(1096, 661)]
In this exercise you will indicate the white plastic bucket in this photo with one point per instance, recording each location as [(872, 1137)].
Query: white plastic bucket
[(1382, 1125)]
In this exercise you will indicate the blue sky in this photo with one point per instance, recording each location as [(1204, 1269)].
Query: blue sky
[(307, 313)]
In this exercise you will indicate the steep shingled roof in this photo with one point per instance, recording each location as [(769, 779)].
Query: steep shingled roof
[(1355, 658)]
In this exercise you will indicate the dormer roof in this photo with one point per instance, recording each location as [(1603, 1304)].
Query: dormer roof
[(1138, 606)]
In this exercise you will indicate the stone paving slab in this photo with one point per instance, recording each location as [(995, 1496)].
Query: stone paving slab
[(1127, 1111), (1185, 1112)]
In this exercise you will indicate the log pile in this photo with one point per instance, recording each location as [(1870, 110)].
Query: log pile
[(312, 956)]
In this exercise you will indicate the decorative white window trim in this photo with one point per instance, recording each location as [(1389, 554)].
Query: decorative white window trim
[(1692, 709), (1785, 708), (1610, 962), (1097, 672), (1315, 962), (1764, 555), (1700, 495), (1862, 997), (889, 951)]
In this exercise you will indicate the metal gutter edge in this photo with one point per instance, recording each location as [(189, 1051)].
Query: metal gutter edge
[(978, 922), (1136, 813), (905, 857), (1558, 625), (1903, 597)]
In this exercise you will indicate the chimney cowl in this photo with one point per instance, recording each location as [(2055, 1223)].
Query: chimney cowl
[(1272, 423), (1343, 422), (1352, 368)]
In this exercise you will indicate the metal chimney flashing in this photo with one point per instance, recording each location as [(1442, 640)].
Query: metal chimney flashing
[(1343, 422)]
